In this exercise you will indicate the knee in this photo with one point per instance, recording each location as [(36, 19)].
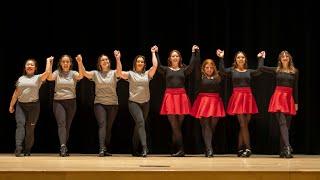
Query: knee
[(20, 124), (61, 124), (282, 122), (101, 124), (243, 124), (140, 124)]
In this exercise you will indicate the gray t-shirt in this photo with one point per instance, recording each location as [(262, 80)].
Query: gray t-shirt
[(65, 85), (139, 87), (106, 87), (28, 88)]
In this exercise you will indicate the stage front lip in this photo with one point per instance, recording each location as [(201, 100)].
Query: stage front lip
[(157, 163)]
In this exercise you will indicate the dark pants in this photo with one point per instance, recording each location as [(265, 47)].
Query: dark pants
[(64, 111), (27, 115), (105, 115), (139, 112)]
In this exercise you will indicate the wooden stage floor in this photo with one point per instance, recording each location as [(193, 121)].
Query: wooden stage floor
[(124, 166)]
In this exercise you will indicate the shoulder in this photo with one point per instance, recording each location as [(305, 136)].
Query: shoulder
[(21, 78)]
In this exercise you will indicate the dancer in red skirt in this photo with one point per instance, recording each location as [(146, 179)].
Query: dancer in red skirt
[(208, 106), (175, 102), (241, 102), (284, 101)]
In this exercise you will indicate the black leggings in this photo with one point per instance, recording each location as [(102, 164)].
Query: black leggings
[(284, 124), (139, 112), (176, 123), (105, 115), (244, 136), (64, 111), (27, 115), (208, 126)]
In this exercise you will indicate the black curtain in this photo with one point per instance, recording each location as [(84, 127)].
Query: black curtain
[(53, 28)]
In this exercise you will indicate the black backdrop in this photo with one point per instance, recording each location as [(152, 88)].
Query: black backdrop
[(41, 29)]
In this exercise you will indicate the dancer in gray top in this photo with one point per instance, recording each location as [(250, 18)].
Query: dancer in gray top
[(139, 96), (64, 103), (106, 99), (26, 99)]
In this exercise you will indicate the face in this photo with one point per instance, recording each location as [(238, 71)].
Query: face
[(65, 63), (175, 59), (285, 59), (240, 59), (30, 67), (104, 63), (209, 69), (140, 64)]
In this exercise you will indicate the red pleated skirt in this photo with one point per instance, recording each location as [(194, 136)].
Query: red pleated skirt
[(208, 105), (242, 102), (175, 101), (282, 101)]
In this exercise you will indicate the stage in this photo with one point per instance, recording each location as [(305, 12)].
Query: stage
[(120, 166)]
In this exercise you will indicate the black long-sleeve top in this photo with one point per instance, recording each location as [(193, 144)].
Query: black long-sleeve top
[(240, 79), (176, 78), (209, 85), (284, 79)]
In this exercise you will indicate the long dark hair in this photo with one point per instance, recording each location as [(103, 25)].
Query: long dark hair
[(59, 62), (35, 64), (99, 60), (169, 60), (135, 62), (235, 65)]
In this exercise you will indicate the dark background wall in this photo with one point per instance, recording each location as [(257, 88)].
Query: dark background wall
[(52, 28)]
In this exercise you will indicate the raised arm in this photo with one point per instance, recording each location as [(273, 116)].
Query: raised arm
[(122, 74), (117, 55), (82, 69), (160, 68), (78, 76), (222, 69), (194, 59), (267, 69), (48, 70), (153, 69), (261, 56), (51, 76), (261, 67)]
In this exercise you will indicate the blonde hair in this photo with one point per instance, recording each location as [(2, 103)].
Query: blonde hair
[(215, 72), (291, 67)]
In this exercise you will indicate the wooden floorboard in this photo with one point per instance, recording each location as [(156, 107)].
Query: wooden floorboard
[(158, 167)]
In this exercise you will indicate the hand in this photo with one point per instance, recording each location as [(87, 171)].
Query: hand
[(117, 54), (262, 54), (195, 48), (11, 109), (50, 59), (220, 53), (154, 49), (79, 58), (296, 106)]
